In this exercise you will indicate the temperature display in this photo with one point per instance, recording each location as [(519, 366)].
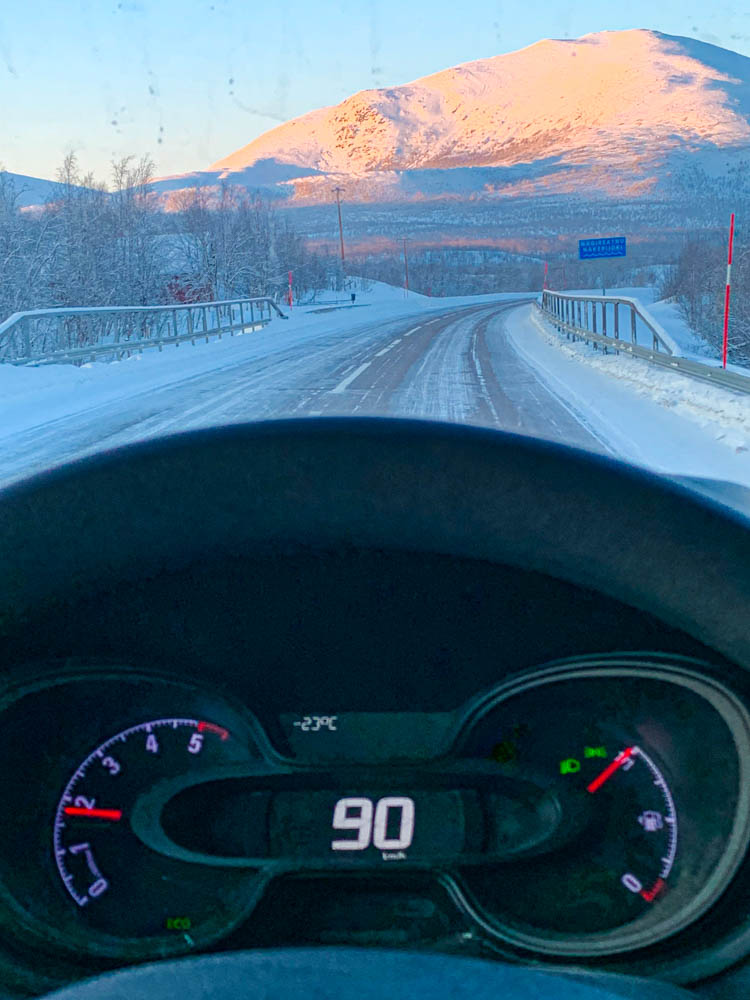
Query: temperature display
[(314, 723)]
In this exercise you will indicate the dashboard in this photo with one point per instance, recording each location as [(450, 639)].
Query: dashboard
[(280, 686)]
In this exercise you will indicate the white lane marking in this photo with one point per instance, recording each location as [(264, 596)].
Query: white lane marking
[(413, 330), (379, 354), (342, 386)]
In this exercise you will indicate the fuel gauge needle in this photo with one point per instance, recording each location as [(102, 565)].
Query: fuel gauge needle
[(610, 770), (113, 814)]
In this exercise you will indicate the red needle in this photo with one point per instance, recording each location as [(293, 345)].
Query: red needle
[(211, 727), (610, 770), (93, 813)]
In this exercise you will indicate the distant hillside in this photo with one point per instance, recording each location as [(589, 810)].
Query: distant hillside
[(613, 113), (31, 191)]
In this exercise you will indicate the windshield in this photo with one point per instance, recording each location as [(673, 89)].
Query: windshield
[(512, 217)]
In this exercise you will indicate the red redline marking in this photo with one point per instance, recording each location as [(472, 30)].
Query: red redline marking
[(656, 888), (114, 814), (211, 727), (610, 770)]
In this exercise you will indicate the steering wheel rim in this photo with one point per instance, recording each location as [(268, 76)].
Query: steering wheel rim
[(343, 973)]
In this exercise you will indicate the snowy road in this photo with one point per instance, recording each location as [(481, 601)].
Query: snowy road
[(455, 365)]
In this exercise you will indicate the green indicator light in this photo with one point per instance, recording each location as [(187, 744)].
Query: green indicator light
[(570, 766), (505, 752), (178, 923), (594, 751)]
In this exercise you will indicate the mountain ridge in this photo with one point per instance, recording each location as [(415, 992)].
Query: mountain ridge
[(614, 114), (638, 97)]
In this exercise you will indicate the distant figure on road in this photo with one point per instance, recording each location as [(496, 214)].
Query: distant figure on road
[(354, 295)]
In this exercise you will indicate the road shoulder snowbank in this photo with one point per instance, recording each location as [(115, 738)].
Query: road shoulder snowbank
[(655, 418)]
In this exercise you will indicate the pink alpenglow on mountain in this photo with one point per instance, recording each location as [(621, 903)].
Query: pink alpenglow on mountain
[(613, 111)]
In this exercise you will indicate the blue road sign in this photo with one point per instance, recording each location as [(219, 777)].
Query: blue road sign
[(607, 246)]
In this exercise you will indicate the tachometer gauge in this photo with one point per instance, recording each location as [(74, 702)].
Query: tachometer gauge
[(121, 887), (646, 765), (102, 740)]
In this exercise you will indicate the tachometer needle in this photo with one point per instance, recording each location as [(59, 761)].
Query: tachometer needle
[(610, 770), (114, 814)]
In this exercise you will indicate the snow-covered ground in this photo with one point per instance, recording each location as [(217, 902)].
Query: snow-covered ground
[(667, 314), (378, 293), (668, 422), (387, 354), (692, 345), (32, 396)]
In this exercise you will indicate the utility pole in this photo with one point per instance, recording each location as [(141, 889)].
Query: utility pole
[(406, 269), (338, 191), (725, 341)]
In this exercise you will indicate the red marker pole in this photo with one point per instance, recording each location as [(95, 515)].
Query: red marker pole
[(725, 344), (545, 274), (290, 289)]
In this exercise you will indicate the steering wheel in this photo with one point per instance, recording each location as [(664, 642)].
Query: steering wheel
[(358, 974), (396, 484)]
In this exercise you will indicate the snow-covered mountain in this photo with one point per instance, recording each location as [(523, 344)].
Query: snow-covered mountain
[(28, 192), (616, 112)]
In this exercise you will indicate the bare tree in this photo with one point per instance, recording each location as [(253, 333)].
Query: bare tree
[(93, 244)]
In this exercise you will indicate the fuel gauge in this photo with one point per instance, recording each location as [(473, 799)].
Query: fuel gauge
[(644, 766)]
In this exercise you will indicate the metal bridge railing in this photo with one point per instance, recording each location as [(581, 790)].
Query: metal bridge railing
[(48, 336), (601, 320)]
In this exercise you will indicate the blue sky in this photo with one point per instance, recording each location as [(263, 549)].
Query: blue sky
[(189, 81)]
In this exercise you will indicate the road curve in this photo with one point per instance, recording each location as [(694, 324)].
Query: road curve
[(456, 365)]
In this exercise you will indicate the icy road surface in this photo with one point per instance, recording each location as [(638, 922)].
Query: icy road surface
[(487, 360), (455, 365)]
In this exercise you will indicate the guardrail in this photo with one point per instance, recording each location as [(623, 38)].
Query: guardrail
[(49, 336), (585, 317)]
